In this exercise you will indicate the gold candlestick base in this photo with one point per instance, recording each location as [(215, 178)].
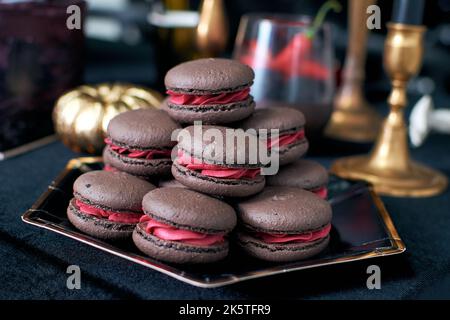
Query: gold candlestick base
[(389, 167), (353, 119), (417, 181)]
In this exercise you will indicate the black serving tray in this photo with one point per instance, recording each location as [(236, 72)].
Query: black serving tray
[(362, 229)]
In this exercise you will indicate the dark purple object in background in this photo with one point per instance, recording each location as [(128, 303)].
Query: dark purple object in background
[(40, 58)]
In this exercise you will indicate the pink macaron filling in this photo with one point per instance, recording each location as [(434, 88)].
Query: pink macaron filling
[(213, 170), (321, 192), (287, 139), (108, 167), (170, 233), (206, 99), (122, 217), (294, 238), (139, 154)]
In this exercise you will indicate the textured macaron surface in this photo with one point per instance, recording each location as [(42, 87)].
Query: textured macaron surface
[(170, 183), (281, 118), (284, 210), (212, 145), (114, 190), (303, 173), (142, 129), (187, 209), (210, 75)]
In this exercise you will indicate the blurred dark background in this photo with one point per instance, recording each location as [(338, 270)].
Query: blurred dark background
[(124, 44), (138, 61)]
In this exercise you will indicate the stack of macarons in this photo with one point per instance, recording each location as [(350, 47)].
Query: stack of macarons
[(210, 192), (172, 224)]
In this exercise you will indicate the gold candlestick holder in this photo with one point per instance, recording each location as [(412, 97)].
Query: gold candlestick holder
[(389, 167), (353, 119)]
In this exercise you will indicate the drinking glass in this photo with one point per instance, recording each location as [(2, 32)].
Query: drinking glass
[(291, 68)]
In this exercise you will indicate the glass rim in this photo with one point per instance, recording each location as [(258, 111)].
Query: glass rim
[(283, 19)]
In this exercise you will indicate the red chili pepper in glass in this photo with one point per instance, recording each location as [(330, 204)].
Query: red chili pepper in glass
[(291, 59), (257, 56)]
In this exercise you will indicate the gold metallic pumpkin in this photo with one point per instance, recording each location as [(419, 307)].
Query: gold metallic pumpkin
[(81, 116)]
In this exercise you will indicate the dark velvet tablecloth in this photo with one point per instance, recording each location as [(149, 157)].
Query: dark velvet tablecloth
[(34, 261)]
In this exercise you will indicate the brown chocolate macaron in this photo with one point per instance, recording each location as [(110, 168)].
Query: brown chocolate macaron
[(292, 143), (304, 174), (284, 224), (184, 226), (215, 91), (209, 166), (139, 143), (170, 183), (107, 205)]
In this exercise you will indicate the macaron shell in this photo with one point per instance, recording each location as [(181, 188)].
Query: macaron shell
[(99, 228), (164, 104), (284, 210), (114, 190), (209, 76), (190, 210), (177, 252), (305, 174), (210, 144), (170, 183), (142, 168), (217, 186), (293, 152), (281, 252), (142, 129), (281, 118), (211, 114)]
